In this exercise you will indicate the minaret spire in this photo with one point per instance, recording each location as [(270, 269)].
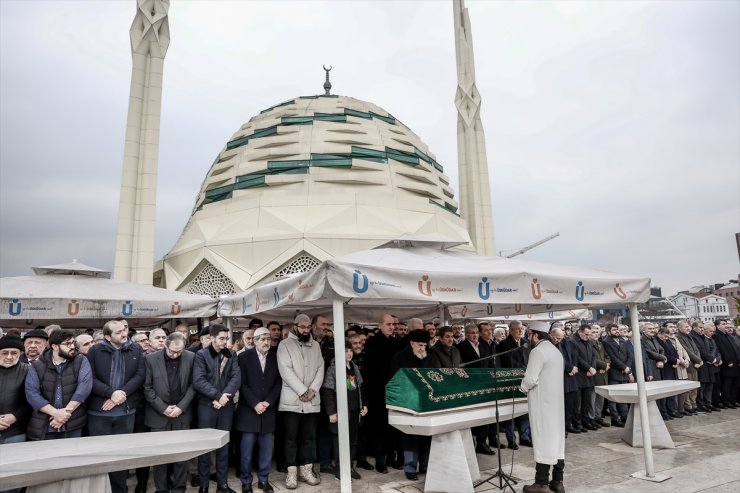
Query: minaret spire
[(475, 192), (150, 38)]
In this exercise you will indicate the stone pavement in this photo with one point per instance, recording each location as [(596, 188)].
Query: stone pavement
[(706, 459)]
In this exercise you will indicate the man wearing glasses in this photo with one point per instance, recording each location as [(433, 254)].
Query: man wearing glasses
[(57, 385)]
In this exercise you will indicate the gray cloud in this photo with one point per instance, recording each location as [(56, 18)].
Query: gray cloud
[(614, 123)]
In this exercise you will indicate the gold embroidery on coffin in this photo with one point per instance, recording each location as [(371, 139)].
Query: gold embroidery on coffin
[(434, 375)]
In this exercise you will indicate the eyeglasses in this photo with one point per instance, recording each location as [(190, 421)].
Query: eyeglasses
[(68, 343)]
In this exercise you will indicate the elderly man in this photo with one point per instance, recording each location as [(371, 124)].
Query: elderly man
[(707, 350), (118, 377), (603, 365), (83, 343), (302, 370), (157, 337), (515, 359), (34, 344), (216, 377), (248, 340), (168, 390), (544, 388), (57, 385), (687, 400), (415, 447), (142, 340), (379, 351), (570, 384), (14, 409), (256, 416), (586, 358)]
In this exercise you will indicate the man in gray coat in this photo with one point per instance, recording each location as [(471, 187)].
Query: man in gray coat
[(168, 390), (301, 367)]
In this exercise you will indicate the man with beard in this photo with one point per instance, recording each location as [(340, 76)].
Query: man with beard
[(216, 377), (302, 370), (415, 447), (570, 384), (57, 385), (118, 378), (168, 390), (14, 409), (34, 344), (445, 351), (544, 388), (379, 349), (256, 416)]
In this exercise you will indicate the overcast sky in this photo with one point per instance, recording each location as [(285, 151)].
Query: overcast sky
[(616, 124)]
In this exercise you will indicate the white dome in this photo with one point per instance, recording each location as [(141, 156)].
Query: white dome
[(304, 181)]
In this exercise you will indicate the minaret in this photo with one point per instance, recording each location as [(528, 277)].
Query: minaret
[(475, 191), (150, 37)]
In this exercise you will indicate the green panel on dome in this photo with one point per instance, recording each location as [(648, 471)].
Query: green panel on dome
[(296, 120), (329, 117), (278, 106), (359, 114), (264, 132), (445, 206), (364, 152), (403, 157), (249, 181), (260, 132), (387, 119), (285, 165), (233, 144)]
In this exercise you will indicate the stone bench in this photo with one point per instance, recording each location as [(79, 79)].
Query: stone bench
[(74, 465), (626, 393)]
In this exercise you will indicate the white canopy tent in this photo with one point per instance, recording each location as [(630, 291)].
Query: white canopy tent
[(85, 294), (401, 280)]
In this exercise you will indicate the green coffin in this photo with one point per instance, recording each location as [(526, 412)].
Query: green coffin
[(421, 390)]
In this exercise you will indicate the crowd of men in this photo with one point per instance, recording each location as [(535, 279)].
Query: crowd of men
[(274, 388)]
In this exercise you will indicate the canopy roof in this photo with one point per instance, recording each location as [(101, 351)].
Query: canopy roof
[(77, 291), (415, 281)]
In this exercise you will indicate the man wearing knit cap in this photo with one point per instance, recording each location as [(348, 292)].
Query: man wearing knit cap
[(14, 410), (302, 370), (256, 415), (543, 384), (34, 343)]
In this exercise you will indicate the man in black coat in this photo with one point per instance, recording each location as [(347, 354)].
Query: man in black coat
[(415, 355), (14, 409), (256, 415), (515, 359), (708, 352), (729, 371), (620, 371), (379, 350), (586, 362)]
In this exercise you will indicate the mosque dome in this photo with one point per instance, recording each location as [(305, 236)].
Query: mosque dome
[(304, 181)]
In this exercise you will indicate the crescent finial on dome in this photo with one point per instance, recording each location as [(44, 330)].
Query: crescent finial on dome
[(327, 84)]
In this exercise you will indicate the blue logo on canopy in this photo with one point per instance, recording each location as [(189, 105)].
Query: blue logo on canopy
[(580, 291), (484, 294), (356, 282), (127, 308), (14, 308)]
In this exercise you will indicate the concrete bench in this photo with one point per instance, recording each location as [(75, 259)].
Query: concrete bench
[(74, 465), (626, 393)]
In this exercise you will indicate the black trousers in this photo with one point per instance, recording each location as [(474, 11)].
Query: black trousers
[(542, 472), (180, 469), (729, 387), (300, 438), (583, 405), (570, 407), (333, 429)]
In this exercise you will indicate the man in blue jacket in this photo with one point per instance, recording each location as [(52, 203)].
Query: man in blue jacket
[(216, 378), (118, 372)]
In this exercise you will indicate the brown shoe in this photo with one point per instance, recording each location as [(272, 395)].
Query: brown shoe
[(557, 486), (536, 488)]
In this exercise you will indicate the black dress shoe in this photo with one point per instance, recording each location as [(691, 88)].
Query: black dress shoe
[(202, 490), (381, 468), (354, 474), (365, 465), (194, 480), (266, 486), (246, 488), (676, 414), (525, 443), (397, 464), (513, 446), (224, 489), (589, 426), (412, 476), (483, 449), (618, 424), (570, 429), (327, 469)]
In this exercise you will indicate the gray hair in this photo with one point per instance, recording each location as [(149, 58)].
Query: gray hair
[(157, 331), (174, 337), (415, 323)]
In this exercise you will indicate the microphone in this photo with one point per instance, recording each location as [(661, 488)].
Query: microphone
[(495, 355)]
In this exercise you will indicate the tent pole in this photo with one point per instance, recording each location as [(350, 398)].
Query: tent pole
[(341, 388), (442, 321), (639, 372)]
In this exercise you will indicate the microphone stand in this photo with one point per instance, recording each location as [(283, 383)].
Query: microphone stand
[(504, 481)]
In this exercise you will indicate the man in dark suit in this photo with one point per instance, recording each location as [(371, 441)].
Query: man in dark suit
[(256, 415), (515, 359), (620, 371), (472, 349), (729, 371), (168, 390), (586, 362)]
